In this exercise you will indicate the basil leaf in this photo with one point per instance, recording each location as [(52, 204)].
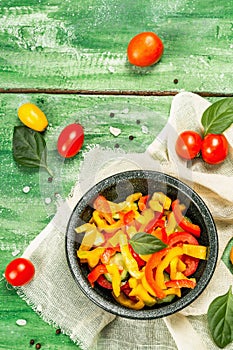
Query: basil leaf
[(145, 243), (29, 148), (218, 117), (220, 319)]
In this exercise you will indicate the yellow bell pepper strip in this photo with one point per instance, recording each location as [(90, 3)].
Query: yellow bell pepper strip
[(116, 278), (156, 206), (196, 251), (181, 267), (136, 256), (123, 300), (173, 267), (147, 286), (133, 197), (92, 256), (92, 236), (159, 275), (175, 291), (140, 292), (102, 224), (152, 263), (182, 221), (96, 273), (171, 223), (130, 263), (164, 200), (186, 283)]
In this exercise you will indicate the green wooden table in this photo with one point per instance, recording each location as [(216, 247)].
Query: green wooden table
[(69, 58)]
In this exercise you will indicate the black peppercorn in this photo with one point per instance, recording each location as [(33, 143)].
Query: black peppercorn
[(32, 342), (38, 346), (175, 81), (131, 137), (58, 331)]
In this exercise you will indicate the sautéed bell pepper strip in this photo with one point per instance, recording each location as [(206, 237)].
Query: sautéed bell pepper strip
[(139, 260), (153, 223), (159, 275), (182, 221), (116, 278), (107, 254), (96, 273), (153, 263), (92, 256), (140, 292), (125, 301), (142, 203), (185, 283), (101, 205), (130, 263)]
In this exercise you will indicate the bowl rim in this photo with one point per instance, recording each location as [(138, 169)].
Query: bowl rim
[(165, 309)]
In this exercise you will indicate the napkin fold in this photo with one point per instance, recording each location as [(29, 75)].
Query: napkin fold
[(54, 294)]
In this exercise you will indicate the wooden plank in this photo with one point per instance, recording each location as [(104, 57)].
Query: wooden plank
[(82, 45), (24, 215)]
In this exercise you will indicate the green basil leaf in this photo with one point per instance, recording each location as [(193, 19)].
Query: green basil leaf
[(220, 319), (218, 117), (29, 148), (145, 243)]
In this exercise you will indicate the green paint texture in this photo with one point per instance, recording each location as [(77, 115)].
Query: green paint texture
[(82, 44)]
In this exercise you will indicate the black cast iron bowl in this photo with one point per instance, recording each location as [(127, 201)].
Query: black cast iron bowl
[(116, 188)]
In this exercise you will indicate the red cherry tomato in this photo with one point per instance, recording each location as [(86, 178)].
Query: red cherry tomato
[(19, 271), (188, 144), (145, 49), (214, 148), (70, 140)]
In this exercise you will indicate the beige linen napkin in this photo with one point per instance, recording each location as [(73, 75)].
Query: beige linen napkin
[(56, 297)]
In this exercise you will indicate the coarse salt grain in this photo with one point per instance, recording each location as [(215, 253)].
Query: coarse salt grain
[(15, 252), (145, 129), (21, 322), (26, 189), (115, 131), (48, 200)]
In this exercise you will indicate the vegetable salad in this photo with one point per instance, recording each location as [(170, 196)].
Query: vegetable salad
[(143, 249)]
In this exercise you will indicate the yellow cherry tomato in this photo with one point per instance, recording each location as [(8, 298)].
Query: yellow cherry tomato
[(32, 116)]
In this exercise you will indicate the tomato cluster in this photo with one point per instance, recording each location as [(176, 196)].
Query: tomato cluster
[(213, 147)]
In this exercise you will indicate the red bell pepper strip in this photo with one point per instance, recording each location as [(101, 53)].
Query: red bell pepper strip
[(182, 221), (178, 238), (139, 260), (129, 217), (107, 254), (103, 282), (142, 203), (152, 263), (101, 204), (180, 284), (95, 273)]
